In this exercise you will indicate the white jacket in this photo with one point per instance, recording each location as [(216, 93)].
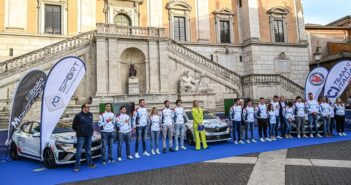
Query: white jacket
[(107, 121), (140, 117), (167, 116), (123, 122)]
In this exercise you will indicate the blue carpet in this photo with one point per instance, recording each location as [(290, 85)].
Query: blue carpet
[(21, 172)]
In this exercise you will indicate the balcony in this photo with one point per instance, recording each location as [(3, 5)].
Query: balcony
[(130, 31)]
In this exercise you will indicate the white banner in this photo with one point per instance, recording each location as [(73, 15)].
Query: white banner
[(62, 81), (338, 79), (315, 82)]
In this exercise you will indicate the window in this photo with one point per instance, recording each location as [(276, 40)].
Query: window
[(53, 19), (279, 30), (122, 20), (179, 29), (224, 31), (240, 3)]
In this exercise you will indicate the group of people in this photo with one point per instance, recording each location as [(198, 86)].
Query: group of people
[(278, 116), (168, 120)]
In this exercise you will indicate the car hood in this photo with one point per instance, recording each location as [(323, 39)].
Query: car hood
[(70, 137), (213, 123)]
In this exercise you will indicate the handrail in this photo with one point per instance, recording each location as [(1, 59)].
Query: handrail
[(200, 59), (149, 32), (38, 55)]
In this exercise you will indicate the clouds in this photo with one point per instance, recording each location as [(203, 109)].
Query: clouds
[(325, 11)]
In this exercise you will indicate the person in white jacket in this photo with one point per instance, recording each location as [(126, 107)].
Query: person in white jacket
[(140, 120), (124, 124), (249, 119), (167, 115), (262, 119), (324, 111), (108, 132), (339, 107), (155, 121), (300, 109), (312, 108), (236, 116), (288, 112), (179, 125)]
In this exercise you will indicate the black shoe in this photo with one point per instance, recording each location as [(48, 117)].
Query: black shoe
[(92, 165), (76, 169), (164, 150), (171, 150)]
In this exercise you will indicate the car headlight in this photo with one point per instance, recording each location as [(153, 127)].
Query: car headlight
[(64, 146), (228, 129)]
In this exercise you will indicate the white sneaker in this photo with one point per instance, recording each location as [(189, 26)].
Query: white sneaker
[(137, 155), (253, 140), (247, 141), (311, 135), (274, 139), (298, 136), (235, 142), (176, 148), (183, 147), (279, 137), (262, 140), (119, 159), (267, 139), (344, 134), (318, 135), (304, 136), (153, 152), (157, 151), (341, 134), (241, 142), (130, 157), (146, 154)]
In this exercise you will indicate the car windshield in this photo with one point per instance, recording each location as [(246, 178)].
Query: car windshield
[(206, 116), (58, 130)]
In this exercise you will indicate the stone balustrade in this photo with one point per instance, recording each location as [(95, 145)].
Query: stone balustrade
[(130, 31)]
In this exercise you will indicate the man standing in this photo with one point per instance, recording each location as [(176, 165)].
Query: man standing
[(83, 125), (262, 119), (108, 133), (179, 125), (235, 117), (300, 117), (167, 116), (276, 109), (124, 132), (312, 107), (140, 121)]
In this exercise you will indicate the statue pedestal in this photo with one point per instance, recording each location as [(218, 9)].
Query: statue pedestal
[(133, 85)]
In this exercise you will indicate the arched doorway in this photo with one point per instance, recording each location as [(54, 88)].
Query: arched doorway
[(133, 56), (122, 20)]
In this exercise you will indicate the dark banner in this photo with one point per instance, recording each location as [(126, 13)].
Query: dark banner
[(27, 91)]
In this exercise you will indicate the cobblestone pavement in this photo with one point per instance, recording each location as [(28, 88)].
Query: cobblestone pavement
[(324, 164)]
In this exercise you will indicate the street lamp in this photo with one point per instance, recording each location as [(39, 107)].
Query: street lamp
[(317, 55)]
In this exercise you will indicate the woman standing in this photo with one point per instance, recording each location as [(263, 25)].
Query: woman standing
[(198, 125), (155, 121), (272, 121), (325, 114), (249, 119), (340, 117), (288, 118)]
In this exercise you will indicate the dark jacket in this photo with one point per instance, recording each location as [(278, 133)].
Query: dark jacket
[(83, 124)]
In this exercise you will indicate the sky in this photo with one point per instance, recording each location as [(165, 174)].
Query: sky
[(325, 11)]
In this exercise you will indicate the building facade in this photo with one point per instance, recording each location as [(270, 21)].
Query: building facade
[(209, 49)]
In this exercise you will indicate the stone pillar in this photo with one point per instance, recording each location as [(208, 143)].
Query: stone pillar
[(154, 62), (155, 13), (14, 11), (202, 20), (253, 20), (101, 67), (113, 70), (165, 70)]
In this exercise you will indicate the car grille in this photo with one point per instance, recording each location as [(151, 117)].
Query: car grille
[(217, 129), (219, 137), (93, 144), (83, 156)]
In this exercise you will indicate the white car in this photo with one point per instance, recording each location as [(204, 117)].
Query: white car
[(61, 148), (216, 130)]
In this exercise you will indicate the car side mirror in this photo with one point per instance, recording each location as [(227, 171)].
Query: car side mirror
[(36, 134)]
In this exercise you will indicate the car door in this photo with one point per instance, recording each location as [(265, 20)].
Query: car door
[(34, 141), (23, 138)]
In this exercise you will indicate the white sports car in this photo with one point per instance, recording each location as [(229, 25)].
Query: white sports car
[(61, 148), (216, 130)]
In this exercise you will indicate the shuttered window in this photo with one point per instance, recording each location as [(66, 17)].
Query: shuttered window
[(53, 20), (179, 28), (224, 31), (279, 30)]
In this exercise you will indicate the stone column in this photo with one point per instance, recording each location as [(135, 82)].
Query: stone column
[(253, 20), (113, 70), (101, 66), (165, 71), (155, 13), (14, 11), (202, 20), (154, 62)]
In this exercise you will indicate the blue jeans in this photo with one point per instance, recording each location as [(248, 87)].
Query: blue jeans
[(236, 130), (272, 128), (154, 139), (313, 121), (126, 138), (179, 130), (277, 125), (326, 125), (86, 141), (332, 125), (107, 139), (141, 133), (287, 127), (247, 126)]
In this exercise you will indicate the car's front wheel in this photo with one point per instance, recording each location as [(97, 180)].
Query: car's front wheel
[(14, 152), (49, 159), (190, 138)]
